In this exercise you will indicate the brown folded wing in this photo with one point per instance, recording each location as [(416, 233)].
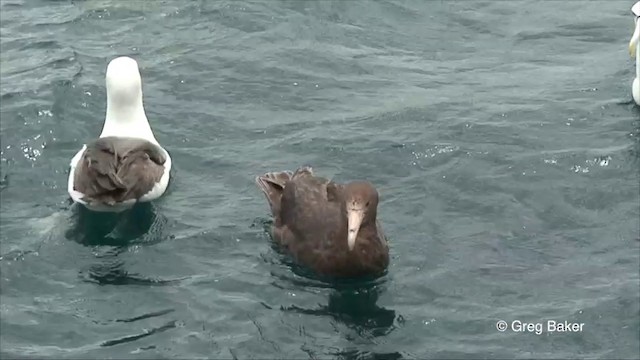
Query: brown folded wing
[(115, 169)]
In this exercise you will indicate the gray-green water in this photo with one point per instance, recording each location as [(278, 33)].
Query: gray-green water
[(500, 134)]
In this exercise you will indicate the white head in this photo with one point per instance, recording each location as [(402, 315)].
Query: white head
[(124, 85), (125, 111)]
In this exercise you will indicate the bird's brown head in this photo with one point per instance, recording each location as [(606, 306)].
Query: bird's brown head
[(361, 204)]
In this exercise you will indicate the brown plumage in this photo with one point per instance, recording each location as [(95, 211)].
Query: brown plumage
[(116, 169), (329, 227)]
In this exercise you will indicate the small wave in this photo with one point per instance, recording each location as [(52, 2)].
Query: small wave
[(130, 338), (146, 316)]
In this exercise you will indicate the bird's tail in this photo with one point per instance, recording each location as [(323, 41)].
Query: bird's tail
[(272, 185)]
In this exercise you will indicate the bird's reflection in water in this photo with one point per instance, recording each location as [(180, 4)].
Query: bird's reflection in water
[(354, 304), (113, 229), (109, 235), (112, 272), (356, 307)]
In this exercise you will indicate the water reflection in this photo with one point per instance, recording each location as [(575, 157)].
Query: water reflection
[(111, 271), (357, 308), (354, 304), (110, 235), (140, 224)]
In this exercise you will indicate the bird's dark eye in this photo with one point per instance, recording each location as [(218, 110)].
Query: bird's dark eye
[(367, 204)]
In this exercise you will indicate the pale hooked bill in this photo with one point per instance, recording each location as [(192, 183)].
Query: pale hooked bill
[(634, 51), (126, 164)]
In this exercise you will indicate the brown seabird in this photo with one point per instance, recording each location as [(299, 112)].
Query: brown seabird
[(328, 227)]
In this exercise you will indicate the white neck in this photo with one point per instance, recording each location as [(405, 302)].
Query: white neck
[(636, 39), (126, 117), (638, 51)]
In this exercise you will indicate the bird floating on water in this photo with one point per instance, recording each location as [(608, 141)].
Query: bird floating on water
[(328, 227), (634, 50), (126, 164)]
